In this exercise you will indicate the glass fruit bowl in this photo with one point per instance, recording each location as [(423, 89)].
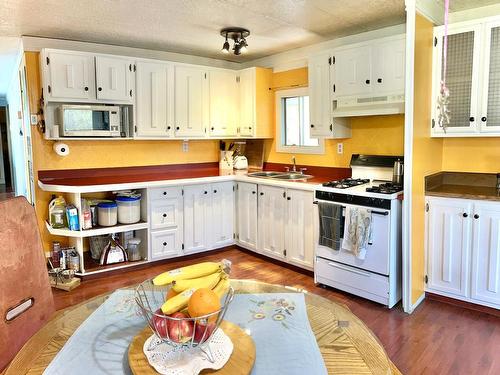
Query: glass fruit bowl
[(178, 330)]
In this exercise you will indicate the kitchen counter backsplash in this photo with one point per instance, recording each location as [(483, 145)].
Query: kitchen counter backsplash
[(465, 185)]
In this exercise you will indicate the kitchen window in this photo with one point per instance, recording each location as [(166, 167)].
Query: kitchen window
[(292, 123)]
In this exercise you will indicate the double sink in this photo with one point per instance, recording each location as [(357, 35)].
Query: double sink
[(289, 176)]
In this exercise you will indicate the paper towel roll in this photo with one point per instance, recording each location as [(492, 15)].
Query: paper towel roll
[(61, 149)]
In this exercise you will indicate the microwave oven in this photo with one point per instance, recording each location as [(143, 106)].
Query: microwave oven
[(81, 120)]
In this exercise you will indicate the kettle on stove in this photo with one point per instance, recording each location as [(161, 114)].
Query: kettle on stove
[(397, 172)]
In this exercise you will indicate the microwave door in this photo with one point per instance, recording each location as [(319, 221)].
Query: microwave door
[(81, 122)]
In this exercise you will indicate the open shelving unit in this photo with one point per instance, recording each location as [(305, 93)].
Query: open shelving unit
[(65, 232)]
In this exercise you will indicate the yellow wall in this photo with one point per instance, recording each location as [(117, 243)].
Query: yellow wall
[(370, 135), (427, 151), (101, 154), (471, 154)]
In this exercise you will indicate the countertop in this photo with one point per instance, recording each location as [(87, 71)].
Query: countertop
[(464, 185), (99, 179)]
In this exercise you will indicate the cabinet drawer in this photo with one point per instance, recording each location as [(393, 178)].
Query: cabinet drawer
[(164, 213), (165, 244), (165, 192), (352, 280)]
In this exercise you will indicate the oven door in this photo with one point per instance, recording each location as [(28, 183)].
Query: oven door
[(378, 249), (88, 121)]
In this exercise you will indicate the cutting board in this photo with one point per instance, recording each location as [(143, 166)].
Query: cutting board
[(240, 362)]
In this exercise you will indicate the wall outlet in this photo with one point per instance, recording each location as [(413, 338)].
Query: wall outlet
[(340, 148), (185, 146)]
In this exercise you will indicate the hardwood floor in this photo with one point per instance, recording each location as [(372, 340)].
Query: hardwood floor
[(437, 338)]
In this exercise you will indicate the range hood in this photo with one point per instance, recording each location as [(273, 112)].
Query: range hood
[(368, 106)]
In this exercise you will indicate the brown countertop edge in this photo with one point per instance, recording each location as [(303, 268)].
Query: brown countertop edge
[(464, 185), (135, 174)]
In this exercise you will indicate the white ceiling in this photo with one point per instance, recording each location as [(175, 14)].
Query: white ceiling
[(192, 26)]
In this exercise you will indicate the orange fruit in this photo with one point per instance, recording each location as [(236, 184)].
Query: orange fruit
[(171, 293), (204, 301)]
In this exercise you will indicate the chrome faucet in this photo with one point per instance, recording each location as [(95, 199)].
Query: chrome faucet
[(294, 166)]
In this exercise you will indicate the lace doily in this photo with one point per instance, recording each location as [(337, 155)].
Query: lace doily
[(168, 360)]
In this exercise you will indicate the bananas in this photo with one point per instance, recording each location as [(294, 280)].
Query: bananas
[(188, 272), (209, 282), (186, 280)]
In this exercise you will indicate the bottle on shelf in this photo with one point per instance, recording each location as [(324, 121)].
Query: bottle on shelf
[(57, 213)]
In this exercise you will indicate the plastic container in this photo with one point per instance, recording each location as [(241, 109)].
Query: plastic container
[(129, 209), (134, 249), (57, 213), (107, 214)]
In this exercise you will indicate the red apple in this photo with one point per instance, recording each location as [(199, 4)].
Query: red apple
[(180, 330), (160, 323), (202, 332)]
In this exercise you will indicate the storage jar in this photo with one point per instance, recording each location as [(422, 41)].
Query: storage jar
[(129, 209), (134, 249), (107, 214)]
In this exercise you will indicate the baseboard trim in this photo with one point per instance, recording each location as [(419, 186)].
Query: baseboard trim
[(417, 302), (463, 304)]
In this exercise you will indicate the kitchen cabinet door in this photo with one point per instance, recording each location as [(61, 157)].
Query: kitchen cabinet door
[(485, 273), (448, 245), (154, 102), (389, 66), (247, 98), (114, 79), (319, 96), (299, 229), (247, 215), (490, 105), (223, 97), (462, 79), (197, 218), (166, 244), (222, 220), (166, 213), (69, 76), (353, 71), (189, 97), (271, 220)]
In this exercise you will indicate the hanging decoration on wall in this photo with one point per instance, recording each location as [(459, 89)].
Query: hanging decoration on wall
[(443, 118)]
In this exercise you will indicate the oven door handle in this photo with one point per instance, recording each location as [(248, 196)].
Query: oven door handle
[(353, 270), (384, 213)]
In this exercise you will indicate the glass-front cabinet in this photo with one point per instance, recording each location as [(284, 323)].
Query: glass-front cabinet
[(472, 76)]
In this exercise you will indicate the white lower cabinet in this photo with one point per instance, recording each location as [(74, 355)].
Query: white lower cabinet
[(166, 222), (463, 249), (197, 212), (271, 220), (246, 209), (299, 227), (222, 220)]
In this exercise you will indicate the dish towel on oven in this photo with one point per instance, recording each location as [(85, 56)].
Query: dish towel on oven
[(357, 231), (330, 216)]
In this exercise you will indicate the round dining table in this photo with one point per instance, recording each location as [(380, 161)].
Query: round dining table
[(346, 344)]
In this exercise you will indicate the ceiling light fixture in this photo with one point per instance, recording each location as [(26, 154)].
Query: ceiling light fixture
[(238, 35)]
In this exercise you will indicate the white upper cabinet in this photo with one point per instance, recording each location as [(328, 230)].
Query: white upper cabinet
[(114, 79), (353, 71), (190, 101), (485, 280), (223, 96), (472, 77), (448, 246), (388, 75), (247, 102), (154, 86), (319, 95), (68, 76)]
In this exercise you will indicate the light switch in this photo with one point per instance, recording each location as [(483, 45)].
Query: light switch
[(340, 148), (185, 146)]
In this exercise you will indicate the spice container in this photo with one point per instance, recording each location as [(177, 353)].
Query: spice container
[(129, 209), (73, 261), (134, 249), (107, 215)]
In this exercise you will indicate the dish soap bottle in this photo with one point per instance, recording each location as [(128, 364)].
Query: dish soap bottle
[(57, 213)]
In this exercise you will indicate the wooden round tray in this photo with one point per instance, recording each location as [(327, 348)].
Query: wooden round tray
[(240, 362)]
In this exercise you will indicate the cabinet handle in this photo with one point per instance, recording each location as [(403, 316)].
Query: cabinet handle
[(288, 198), (169, 127), (212, 128), (367, 81), (483, 119), (471, 119), (99, 89), (215, 191), (164, 215), (86, 88), (465, 214), (249, 128), (476, 216), (254, 192), (379, 80), (261, 193), (312, 126), (164, 244), (177, 128), (205, 192), (164, 193)]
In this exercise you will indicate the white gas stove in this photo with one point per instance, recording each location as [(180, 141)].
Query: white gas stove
[(378, 275)]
